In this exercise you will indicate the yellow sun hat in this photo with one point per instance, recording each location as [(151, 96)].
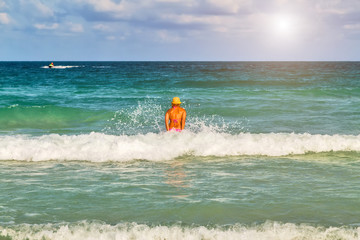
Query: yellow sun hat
[(176, 100)]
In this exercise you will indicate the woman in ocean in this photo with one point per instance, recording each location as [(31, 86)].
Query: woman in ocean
[(176, 115)]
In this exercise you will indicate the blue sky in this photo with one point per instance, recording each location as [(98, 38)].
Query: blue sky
[(196, 30)]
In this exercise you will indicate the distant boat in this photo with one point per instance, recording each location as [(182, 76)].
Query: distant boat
[(51, 65)]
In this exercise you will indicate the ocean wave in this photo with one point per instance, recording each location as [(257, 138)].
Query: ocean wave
[(100, 147), (94, 230)]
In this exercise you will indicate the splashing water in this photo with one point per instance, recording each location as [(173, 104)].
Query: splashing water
[(148, 116), (144, 118)]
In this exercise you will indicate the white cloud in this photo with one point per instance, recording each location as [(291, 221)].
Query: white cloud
[(336, 11), (228, 6), (76, 27), (185, 3), (191, 19), (102, 27), (337, 7), (2, 4), (40, 8), (111, 38), (46, 27), (165, 36), (63, 29), (105, 5), (173, 1), (352, 26), (4, 18), (169, 15)]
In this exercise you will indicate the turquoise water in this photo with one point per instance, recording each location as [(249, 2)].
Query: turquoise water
[(271, 150)]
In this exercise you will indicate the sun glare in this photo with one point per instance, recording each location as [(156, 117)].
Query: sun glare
[(283, 25), (282, 30)]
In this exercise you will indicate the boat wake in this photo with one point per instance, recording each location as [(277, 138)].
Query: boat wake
[(60, 67)]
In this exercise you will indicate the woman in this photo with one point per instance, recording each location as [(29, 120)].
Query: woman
[(176, 115)]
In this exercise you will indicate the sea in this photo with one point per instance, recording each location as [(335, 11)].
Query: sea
[(270, 150)]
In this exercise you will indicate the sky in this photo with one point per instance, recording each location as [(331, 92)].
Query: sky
[(179, 30)]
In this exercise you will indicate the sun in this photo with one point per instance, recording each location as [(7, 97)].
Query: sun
[(282, 30), (283, 25)]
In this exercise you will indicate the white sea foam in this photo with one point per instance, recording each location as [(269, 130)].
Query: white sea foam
[(135, 231), (99, 147)]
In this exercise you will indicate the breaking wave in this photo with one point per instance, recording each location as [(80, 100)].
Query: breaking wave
[(88, 230), (100, 147)]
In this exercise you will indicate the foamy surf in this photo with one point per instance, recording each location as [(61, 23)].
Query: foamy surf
[(99, 147), (86, 230)]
